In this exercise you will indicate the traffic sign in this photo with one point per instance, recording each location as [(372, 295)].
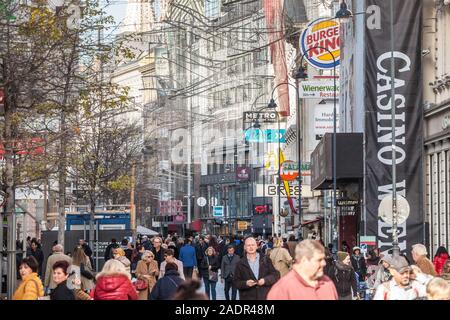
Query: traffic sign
[(217, 211), (201, 201)]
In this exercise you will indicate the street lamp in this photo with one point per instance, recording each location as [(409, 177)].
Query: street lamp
[(272, 105), (301, 74)]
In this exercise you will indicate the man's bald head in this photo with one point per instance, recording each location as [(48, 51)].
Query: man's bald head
[(58, 248)]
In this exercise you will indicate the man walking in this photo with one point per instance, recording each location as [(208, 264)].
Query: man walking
[(188, 258), (306, 280), (169, 257), (254, 273), (228, 269), (108, 250), (158, 250)]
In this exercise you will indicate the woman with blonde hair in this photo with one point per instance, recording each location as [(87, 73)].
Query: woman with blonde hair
[(119, 255), (281, 259), (147, 271), (113, 283)]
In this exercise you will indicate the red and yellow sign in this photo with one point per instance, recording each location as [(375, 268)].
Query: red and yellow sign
[(321, 33), (289, 170)]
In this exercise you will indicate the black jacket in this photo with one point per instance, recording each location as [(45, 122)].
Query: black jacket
[(61, 292), (39, 256), (359, 265), (166, 287), (243, 273), (344, 279), (207, 261), (159, 256)]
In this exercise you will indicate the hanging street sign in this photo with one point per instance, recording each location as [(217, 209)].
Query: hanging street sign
[(289, 170), (261, 116), (318, 89), (323, 33), (217, 211), (201, 201)]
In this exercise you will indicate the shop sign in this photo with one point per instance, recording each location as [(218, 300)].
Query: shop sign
[(318, 90), (321, 33), (289, 170)]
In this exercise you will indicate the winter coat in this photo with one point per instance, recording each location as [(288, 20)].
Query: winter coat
[(382, 275), (344, 279), (179, 264), (281, 260), (57, 256), (426, 266), (159, 256), (108, 250), (291, 246), (127, 264), (208, 261), (30, 289), (200, 252), (359, 265), (166, 286), (39, 256), (62, 292), (243, 273), (228, 266), (143, 269), (113, 286), (439, 262), (188, 256)]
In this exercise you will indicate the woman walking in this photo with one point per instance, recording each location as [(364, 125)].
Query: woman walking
[(147, 271), (114, 283), (281, 259), (81, 264), (209, 268)]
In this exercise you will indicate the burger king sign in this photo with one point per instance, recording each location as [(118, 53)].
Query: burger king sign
[(321, 33)]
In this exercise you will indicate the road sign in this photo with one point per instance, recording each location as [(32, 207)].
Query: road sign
[(368, 240), (217, 211), (267, 135), (201, 201), (265, 116), (242, 225)]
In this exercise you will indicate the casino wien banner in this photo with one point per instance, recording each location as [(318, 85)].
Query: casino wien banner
[(407, 17)]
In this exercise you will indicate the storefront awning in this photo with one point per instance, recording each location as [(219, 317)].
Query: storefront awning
[(349, 160)]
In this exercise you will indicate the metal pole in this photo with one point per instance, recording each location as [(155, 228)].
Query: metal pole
[(395, 247), (1, 253), (132, 200), (279, 177), (299, 150), (335, 217)]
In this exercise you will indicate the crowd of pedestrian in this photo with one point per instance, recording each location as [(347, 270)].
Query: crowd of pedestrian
[(173, 268)]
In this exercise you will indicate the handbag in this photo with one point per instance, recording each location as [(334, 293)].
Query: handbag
[(140, 285), (85, 272), (213, 276)]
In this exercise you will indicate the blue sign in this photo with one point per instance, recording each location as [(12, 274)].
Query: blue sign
[(267, 135), (217, 211)]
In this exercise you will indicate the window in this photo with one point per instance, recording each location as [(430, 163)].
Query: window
[(212, 9)]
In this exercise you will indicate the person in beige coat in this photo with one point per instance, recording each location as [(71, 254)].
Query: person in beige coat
[(57, 255), (81, 260), (281, 259), (147, 270)]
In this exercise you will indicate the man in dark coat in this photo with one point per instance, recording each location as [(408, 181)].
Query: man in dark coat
[(254, 274), (228, 269), (200, 249), (166, 287), (157, 250), (37, 253)]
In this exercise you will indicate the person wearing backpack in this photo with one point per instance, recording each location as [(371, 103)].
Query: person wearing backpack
[(344, 277)]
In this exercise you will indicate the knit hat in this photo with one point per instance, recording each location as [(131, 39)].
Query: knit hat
[(341, 255)]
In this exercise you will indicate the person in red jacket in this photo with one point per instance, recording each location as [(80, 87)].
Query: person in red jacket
[(439, 259), (113, 283)]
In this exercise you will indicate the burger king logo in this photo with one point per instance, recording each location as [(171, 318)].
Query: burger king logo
[(321, 33)]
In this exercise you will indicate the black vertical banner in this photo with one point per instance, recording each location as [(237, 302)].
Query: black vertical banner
[(407, 19)]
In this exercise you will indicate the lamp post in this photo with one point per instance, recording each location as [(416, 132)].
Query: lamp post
[(301, 74), (273, 105)]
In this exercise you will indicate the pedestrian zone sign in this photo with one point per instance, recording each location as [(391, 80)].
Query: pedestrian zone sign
[(218, 211)]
